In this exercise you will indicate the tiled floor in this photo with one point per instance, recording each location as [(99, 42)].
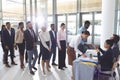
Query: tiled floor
[(15, 73)]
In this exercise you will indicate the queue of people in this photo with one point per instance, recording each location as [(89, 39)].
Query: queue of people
[(26, 40)]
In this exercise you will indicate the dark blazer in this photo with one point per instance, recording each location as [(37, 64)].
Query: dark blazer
[(8, 39), (29, 40), (53, 39), (106, 60)]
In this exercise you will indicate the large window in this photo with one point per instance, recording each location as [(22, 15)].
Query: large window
[(13, 11), (90, 5), (66, 6)]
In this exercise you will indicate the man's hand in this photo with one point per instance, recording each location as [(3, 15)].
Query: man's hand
[(6, 47), (49, 50), (34, 45), (59, 48), (83, 55)]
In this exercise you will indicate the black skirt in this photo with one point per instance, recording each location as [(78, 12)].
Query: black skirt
[(45, 52)]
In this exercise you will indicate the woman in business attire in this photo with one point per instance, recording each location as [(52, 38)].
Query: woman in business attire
[(19, 41), (45, 48), (61, 40)]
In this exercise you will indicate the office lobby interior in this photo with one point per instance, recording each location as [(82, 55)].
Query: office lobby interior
[(104, 16)]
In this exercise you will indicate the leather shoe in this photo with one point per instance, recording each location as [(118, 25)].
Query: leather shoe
[(34, 68), (7, 65), (54, 64), (31, 72), (13, 63)]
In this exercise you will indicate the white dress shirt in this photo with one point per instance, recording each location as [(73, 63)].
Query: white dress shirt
[(75, 42)]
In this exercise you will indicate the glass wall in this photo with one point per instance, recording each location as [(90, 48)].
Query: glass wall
[(90, 5), (12, 11), (66, 6)]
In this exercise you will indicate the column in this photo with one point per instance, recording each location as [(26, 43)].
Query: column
[(108, 14), (31, 11), (55, 13)]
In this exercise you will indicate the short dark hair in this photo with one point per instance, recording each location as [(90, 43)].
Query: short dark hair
[(52, 25), (109, 42), (7, 23), (87, 22), (3, 26), (28, 22), (86, 33), (62, 24), (20, 23), (116, 38)]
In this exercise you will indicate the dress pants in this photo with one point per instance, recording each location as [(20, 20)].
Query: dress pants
[(62, 55), (11, 49), (53, 52), (30, 54)]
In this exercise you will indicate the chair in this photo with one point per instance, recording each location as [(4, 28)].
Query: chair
[(106, 75)]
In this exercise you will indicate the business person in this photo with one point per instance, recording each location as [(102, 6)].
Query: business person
[(46, 48), (8, 41), (31, 46), (20, 42), (2, 44), (61, 41), (106, 60), (53, 37), (73, 46)]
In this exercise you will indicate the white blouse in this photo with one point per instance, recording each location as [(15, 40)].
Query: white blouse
[(45, 37), (61, 35)]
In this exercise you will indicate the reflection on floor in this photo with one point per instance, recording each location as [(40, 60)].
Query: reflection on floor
[(15, 73)]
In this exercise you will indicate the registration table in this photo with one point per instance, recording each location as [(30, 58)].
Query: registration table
[(83, 68)]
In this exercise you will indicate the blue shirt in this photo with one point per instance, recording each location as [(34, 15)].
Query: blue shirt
[(81, 29)]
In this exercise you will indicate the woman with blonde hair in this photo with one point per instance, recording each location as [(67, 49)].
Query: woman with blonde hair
[(46, 48)]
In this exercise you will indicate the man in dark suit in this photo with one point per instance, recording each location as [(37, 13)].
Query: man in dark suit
[(54, 43), (31, 46), (8, 40)]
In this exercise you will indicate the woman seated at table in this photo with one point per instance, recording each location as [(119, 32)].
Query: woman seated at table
[(106, 59)]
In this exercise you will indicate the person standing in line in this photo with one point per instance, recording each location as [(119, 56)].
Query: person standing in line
[(8, 41), (40, 54), (1, 35), (53, 37), (61, 41), (31, 46), (84, 28), (45, 48), (20, 42)]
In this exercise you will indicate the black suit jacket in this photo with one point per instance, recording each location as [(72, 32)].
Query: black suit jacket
[(29, 39), (8, 39), (106, 60), (53, 39)]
